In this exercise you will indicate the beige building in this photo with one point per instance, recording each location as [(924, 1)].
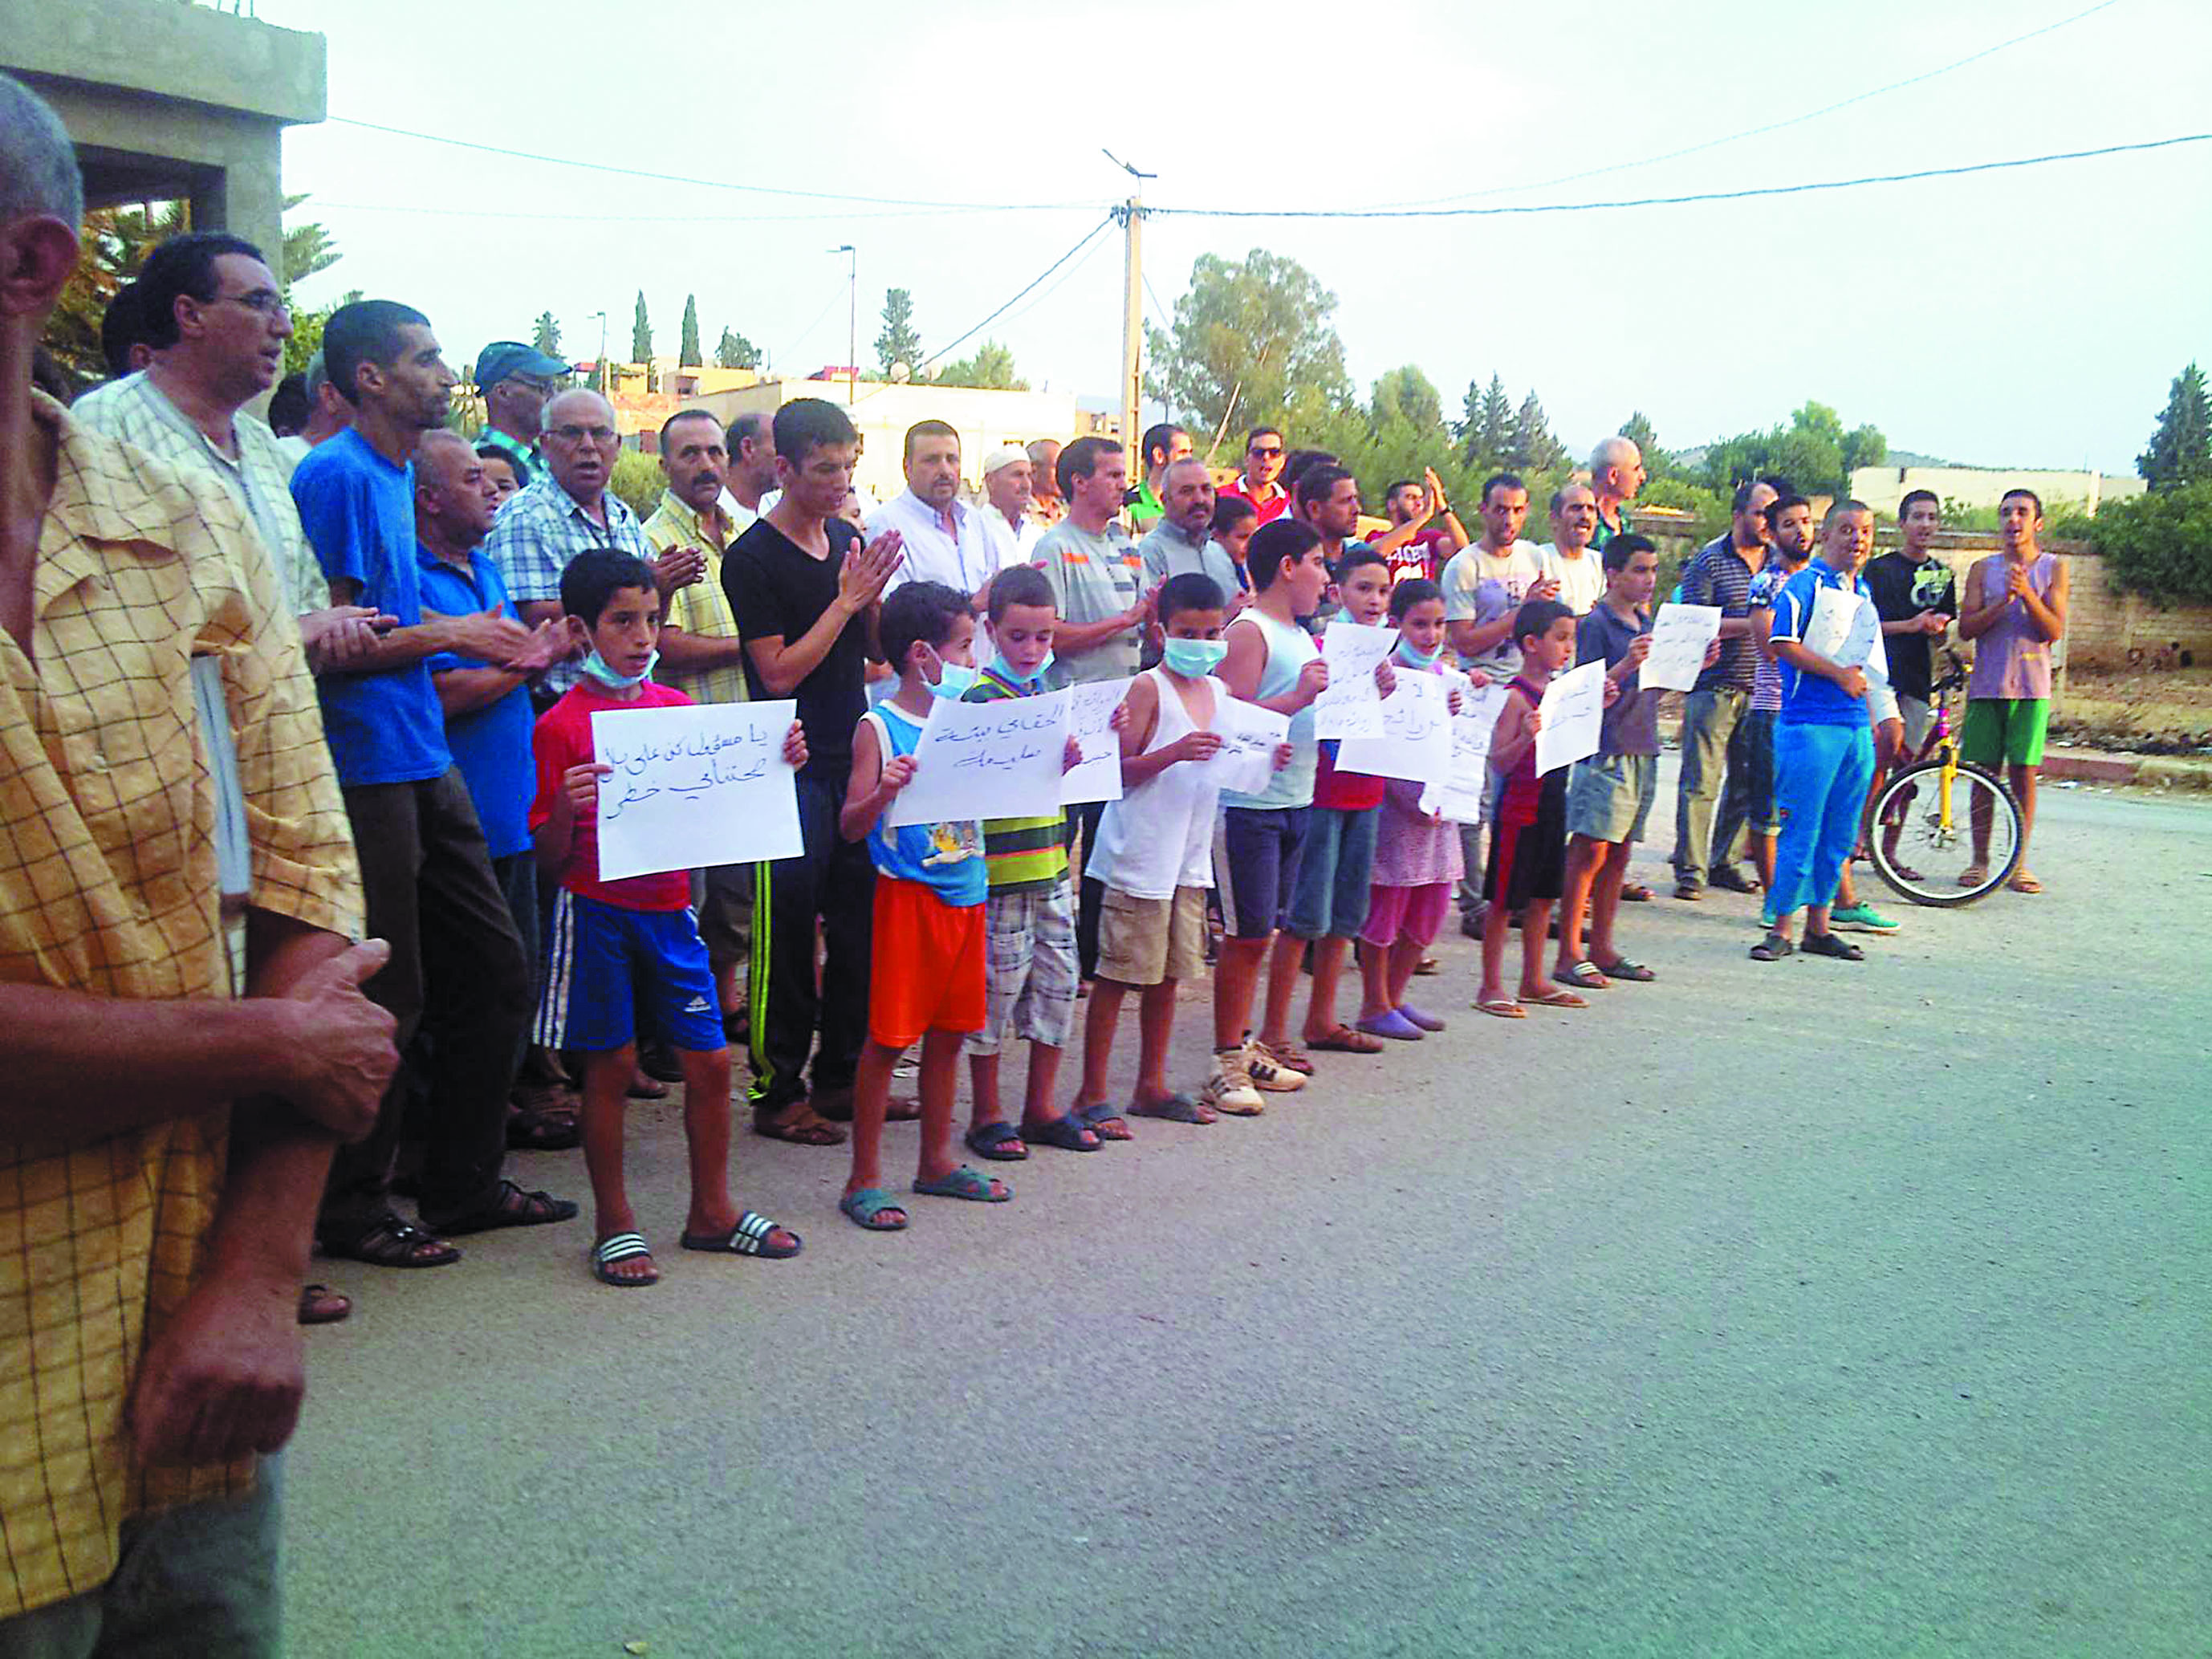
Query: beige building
[(1882, 487), (883, 410)]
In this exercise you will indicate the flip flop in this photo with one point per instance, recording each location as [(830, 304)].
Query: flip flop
[(1427, 965), (1102, 1121), (997, 1142), (1973, 875), (1635, 893), (1504, 1007), (1065, 1133), (798, 1125), (1391, 1023), (963, 1182), (321, 1305), (1560, 998), (621, 1247), (1584, 976), (1343, 1040), (1622, 968), (2022, 882), (861, 1208), (1176, 1109), (749, 1238)]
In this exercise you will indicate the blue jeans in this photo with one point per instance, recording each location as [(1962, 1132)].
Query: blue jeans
[(1713, 740), (1747, 800), (1821, 775)]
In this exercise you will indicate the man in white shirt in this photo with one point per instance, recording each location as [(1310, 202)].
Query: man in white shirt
[(945, 538), (1009, 487), (750, 490), (1567, 559)]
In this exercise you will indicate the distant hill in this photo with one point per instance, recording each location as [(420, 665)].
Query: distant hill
[(1691, 460)]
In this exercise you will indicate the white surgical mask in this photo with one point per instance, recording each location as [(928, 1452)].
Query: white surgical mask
[(597, 666)]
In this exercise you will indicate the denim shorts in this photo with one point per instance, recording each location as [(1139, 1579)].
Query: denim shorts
[(1329, 897)]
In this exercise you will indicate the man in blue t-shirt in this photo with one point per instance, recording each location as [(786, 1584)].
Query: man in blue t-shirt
[(458, 963), (1826, 638)]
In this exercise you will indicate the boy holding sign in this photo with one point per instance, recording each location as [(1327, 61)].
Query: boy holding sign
[(926, 980), (617, 944), (1528, 844)]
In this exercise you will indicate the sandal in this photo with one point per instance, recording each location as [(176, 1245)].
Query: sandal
[(866, 1208), (964, 1182), (1635, 893), (622, 1247), (1287, 1056), (1622, 968), (1560, 998), (752, 1236), (510, 1207), (642, 1087), (1827, 945), (1065, 1133), (1427, 965), (2022, 882), (532, 1129), (1504, 1007), (1973, 875), (798, 1124), (1176, 1109), (321, 1305), (1343, 1040), (997, 1141), (1584, 976), (1773, 948), (388, 1242), (902, 1109), (1102, 1121)]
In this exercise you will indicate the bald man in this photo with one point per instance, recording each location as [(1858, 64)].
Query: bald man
[(1616, 474)]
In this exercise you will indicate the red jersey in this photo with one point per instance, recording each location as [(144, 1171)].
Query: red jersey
[(562, 740), (1269, 510), (1424, 556)]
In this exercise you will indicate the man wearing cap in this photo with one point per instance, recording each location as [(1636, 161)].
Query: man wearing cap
[(944, 536), (1008, 487), (514, 380)]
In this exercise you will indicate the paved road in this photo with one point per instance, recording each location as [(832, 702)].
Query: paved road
[(1791, 1310)]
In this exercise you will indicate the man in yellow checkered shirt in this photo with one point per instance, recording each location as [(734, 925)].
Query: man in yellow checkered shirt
[(162, 1145)]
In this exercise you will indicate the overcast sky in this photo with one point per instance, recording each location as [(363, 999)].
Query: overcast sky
[(2033, 317)]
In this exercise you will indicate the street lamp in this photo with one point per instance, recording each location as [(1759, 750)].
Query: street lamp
[(599, 368), (852, 315)]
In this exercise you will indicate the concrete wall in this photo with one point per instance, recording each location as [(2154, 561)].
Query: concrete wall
[(1882, 487), (883, 411)]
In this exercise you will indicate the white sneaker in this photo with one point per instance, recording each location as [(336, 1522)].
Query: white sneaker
[(1229, 1089), (1269, 1073)]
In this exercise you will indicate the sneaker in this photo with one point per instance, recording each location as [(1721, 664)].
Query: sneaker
[(1766, 917), (1229, 1089), (1860, 919), (1267, 1073)]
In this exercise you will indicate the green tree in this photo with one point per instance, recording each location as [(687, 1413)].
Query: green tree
[(307, 248), (2159, 544), (545, 334), (991, 367), (1487, 432), (1658, 462), (1813, 452), (1406, 394), (736, 352), (640, 333), (1533, 448), (900, 341), (687, 352), (1255, 337), (2180, 450)]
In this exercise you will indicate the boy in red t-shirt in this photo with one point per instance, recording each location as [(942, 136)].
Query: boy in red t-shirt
[(617, 943)]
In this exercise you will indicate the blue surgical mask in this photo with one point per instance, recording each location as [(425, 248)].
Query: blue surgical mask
[(596, 666), (953, 680), (1005, 670), (1414, 658), (1193, 659)]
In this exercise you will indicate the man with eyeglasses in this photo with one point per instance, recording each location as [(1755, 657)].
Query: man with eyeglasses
[(569, 510), (212, 315), (515, 380), (1258, 483)]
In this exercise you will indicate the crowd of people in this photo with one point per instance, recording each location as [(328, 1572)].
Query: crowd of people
[(303, 905)]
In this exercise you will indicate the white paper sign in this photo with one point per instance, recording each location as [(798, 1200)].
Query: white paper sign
[(1416, 744), (1351, 707), (1089, 707), (1680, 634), (692, 787), (1461, 795), (1573, 710), (986, 760), (1245, 762), (1843, 627)]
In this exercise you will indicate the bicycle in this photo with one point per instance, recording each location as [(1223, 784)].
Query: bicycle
[(1925, 850)]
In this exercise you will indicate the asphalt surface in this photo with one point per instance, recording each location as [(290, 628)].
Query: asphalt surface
[(1800, 1309)]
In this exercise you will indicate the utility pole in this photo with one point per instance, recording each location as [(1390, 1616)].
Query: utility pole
[(852, 315), (1131, 215), (606, 380)]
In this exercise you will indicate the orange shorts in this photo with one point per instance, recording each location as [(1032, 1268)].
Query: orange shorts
[(926, 968)]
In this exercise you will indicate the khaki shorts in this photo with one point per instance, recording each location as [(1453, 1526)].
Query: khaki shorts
[(1143, 941)]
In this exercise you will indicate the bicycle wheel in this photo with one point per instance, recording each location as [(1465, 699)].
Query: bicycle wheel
[(1930, 862)]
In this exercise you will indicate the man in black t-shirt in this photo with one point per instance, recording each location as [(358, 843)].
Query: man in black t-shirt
[(806, 595), (1916, 596)]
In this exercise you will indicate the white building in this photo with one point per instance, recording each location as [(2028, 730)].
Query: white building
[(1882, 487)]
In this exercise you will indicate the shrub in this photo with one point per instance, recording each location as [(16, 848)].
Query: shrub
[(637, 480), (2159, 545)]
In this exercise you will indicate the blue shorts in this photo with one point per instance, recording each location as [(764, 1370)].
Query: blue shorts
[(604, 963), (1329, 895), (1264, 845)]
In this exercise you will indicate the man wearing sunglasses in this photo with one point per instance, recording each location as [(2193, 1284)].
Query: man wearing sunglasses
[(1259, 483)]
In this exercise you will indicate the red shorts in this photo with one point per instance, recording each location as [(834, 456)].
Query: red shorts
[(926, 971)]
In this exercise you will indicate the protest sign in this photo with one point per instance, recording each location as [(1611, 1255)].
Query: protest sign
[(1416, 744), (1099, 777), (986, 760), (1351, 706), (1680, 634), (1573, 710), (704, 784), (1249, 735), (1459, 796), (1844, 627)]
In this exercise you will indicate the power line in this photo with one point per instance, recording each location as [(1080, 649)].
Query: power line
[(1676, 201), (703, 184), (1771, 126), (667, 218)]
